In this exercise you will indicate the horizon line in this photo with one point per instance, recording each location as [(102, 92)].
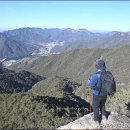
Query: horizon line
[(91, 30)]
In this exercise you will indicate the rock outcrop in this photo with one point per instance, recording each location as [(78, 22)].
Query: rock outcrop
[(114, 121)]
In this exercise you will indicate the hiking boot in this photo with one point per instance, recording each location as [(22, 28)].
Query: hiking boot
[(104, 119), (96, 124)]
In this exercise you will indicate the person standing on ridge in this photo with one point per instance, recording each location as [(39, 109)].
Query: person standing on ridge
[(99, 98)]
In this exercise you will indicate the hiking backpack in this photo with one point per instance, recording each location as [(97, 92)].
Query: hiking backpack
[(108, 84)]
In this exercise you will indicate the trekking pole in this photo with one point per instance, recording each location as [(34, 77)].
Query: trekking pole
[(90, 99)]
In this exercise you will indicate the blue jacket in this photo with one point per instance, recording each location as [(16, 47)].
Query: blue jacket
[(95, 81)]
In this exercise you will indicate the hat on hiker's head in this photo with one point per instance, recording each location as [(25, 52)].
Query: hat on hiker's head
[(100, 64)]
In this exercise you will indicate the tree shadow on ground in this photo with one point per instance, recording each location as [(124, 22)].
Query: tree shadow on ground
[(72, 106)]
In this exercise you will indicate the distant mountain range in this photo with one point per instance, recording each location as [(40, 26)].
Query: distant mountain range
[(36, 41)]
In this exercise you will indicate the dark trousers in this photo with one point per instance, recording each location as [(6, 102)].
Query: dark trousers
[(99, 105)]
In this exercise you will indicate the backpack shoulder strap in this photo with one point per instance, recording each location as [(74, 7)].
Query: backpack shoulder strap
[(98, 73)]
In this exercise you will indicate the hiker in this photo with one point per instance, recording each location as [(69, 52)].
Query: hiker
[(99, 98)]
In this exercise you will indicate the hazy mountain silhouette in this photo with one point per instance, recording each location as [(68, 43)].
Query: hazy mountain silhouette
[(25, 41)]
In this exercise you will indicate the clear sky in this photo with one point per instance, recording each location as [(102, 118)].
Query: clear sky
[(92, 15)]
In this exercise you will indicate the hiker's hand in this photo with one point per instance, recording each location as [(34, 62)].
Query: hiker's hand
[(88, 80)]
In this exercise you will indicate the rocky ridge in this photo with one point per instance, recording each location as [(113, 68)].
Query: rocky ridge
[(114, 121)]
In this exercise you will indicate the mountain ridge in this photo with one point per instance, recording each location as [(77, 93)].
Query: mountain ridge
[(79, 64), (36, 40)]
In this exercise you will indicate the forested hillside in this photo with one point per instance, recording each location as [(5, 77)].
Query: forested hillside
[(79, 64)]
